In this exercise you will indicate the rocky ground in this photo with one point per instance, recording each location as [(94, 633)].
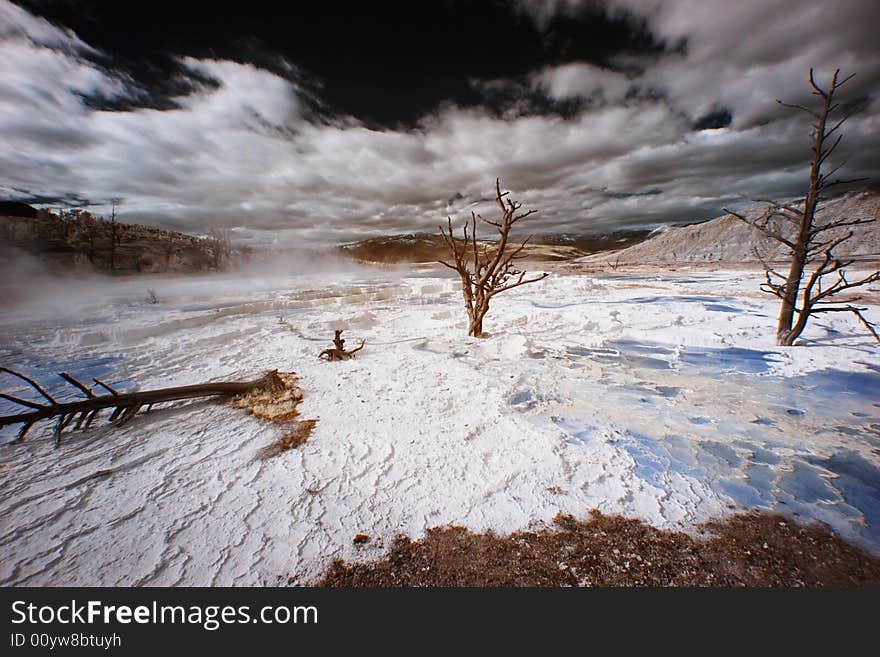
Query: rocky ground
[(744, 550)]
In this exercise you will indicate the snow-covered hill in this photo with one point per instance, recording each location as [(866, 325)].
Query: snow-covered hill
[(729, 240)]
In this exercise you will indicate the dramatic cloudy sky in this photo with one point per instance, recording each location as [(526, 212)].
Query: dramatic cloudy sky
[(324, 121)]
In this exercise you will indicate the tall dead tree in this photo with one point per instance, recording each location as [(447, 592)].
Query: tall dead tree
[(487, 269), (810, 239)]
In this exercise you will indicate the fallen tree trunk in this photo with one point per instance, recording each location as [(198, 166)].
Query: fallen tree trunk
[(124, 405)]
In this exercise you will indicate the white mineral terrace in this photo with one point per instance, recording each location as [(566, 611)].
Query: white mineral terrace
[(658, 396)]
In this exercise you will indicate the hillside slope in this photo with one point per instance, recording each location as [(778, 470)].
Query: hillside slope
[(729, 240), (428, 248), (82, 242)]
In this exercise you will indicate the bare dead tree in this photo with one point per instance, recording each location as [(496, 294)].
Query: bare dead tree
[(487, 270), (86, 237), (113, 234), (808, 238), (219, 246), (124, 405), (169, 250)]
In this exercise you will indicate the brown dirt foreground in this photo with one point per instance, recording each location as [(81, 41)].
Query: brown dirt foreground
[(746, 550)]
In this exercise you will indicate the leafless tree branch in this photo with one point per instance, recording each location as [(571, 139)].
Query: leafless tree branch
[(491, 268), (810, 244)]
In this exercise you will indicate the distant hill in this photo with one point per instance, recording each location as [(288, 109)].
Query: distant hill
[(79, 241), (727, 239), (17, 209), (594, 243), (427, 247)]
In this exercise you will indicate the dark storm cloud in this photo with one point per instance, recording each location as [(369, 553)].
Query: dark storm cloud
[(301, 131), (387, 63), (716, 119)]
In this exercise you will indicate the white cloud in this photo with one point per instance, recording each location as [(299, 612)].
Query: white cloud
[(15, 22), (242, 152), (745, 55), (581, 80)]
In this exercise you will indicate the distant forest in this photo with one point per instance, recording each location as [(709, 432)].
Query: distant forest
[(80, 241)]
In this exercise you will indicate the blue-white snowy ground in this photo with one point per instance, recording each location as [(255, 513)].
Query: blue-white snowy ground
[(654, 395)]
